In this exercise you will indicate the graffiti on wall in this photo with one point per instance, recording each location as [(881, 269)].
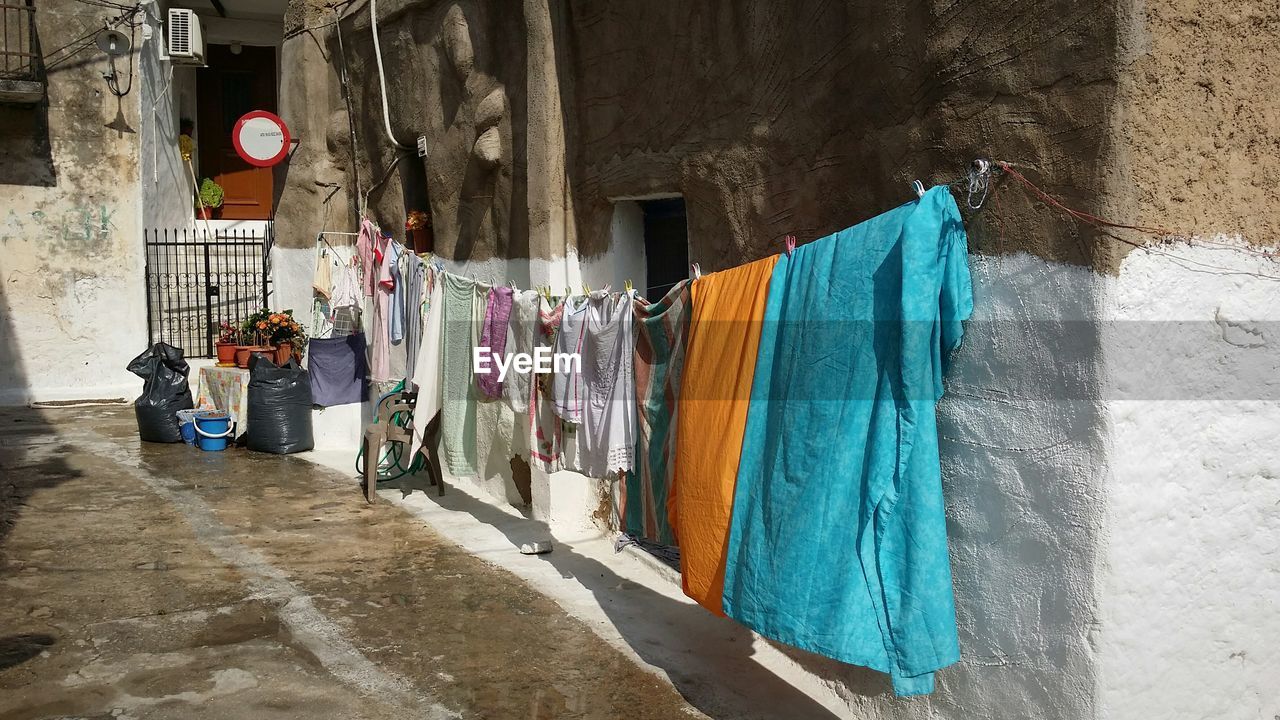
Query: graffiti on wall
[(83, 224)]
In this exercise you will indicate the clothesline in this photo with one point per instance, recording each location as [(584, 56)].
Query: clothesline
[(666, 399), (1165, 235)]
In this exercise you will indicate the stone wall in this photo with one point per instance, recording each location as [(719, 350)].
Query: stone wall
[(72, 310)]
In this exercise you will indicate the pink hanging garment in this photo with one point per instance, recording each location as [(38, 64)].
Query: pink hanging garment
[(493, 335), (384, 285)]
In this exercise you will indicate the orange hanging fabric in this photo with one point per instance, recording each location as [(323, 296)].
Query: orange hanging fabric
[(720, 362)]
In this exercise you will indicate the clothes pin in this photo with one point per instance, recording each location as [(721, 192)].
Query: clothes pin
[(918, 187), (790, 242), (695, 271)]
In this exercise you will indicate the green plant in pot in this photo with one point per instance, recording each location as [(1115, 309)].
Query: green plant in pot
[(255, 337), (211, 196)]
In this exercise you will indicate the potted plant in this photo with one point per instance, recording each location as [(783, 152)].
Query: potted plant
[(418, 227), (228, 338), (255, 336), (211, 196), (287, 335)]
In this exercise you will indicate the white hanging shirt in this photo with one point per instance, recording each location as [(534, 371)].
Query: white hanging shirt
[(600, 391)]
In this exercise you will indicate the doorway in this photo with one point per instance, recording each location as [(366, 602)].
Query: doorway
[(666, 245), (236, 81)]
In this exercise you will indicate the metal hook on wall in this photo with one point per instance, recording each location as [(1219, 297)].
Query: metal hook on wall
[(979, 177)]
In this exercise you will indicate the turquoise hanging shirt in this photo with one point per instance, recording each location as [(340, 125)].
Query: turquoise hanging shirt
[(838, 541)]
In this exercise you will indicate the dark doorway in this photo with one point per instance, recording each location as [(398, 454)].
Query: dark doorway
[(666, 245), (232, 85)]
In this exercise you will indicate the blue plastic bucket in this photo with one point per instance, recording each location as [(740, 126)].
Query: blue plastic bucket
[(187, 424), (213, 430)]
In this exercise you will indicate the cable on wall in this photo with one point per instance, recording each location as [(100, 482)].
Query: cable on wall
[(382, 75)]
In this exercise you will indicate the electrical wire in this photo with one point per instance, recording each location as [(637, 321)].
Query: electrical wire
[(345, 78), (113, 80), (1106, 226), (89, 39)]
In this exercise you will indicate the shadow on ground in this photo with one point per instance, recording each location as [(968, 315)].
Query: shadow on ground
[(665, 633)]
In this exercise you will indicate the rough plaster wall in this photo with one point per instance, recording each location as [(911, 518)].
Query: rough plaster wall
[(1198, 125), (806, 117), (456, 74), (1191, 589), (315, 186), (71, 274)]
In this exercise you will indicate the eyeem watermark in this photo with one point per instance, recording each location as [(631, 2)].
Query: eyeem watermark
[(483, 360)]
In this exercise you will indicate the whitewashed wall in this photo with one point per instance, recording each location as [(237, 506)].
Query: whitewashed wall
[(72, 310), (1190, 584)]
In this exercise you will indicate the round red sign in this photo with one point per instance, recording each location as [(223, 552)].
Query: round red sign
[(261, 138)]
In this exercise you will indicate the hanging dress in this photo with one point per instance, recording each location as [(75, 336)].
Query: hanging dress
[(606, 435)]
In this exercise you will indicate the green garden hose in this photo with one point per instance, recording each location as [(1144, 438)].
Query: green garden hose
[(394, 453)]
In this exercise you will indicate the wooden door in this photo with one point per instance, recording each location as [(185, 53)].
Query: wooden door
[(232, 85)]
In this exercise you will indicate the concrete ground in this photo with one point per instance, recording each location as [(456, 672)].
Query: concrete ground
[(156, 581)]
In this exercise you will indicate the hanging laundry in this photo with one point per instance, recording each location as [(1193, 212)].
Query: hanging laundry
[(322, 290), (458, 424), (604, 387), (338, 370), (345, 303), (322, 280), (415, 298), (395, 320), (380, 363), (428, 372), (493, 336), (720, 361), (838, 542), (366, 239), (321, 318), (661, 329), (522, 333), (568, 394), (546, 435)]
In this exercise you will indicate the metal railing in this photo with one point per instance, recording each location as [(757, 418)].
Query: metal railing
[(17, 41), (196, 280)]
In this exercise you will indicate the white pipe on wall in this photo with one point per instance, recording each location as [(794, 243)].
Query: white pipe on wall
[(382, 75)]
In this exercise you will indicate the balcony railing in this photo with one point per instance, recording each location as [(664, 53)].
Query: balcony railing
[(17, 41), (20, 67)]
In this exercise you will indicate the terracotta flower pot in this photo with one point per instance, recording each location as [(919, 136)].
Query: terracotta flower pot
[(226, 354), (242, 355), (423, 240), (284, 351)]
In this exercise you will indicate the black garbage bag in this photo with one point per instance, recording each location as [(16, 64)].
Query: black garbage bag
[(279, 411), (164, 392)]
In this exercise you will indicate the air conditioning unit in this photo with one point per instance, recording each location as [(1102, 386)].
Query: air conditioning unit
[(186, 38)]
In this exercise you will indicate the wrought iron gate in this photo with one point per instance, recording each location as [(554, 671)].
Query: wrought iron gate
[(195, 280)]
